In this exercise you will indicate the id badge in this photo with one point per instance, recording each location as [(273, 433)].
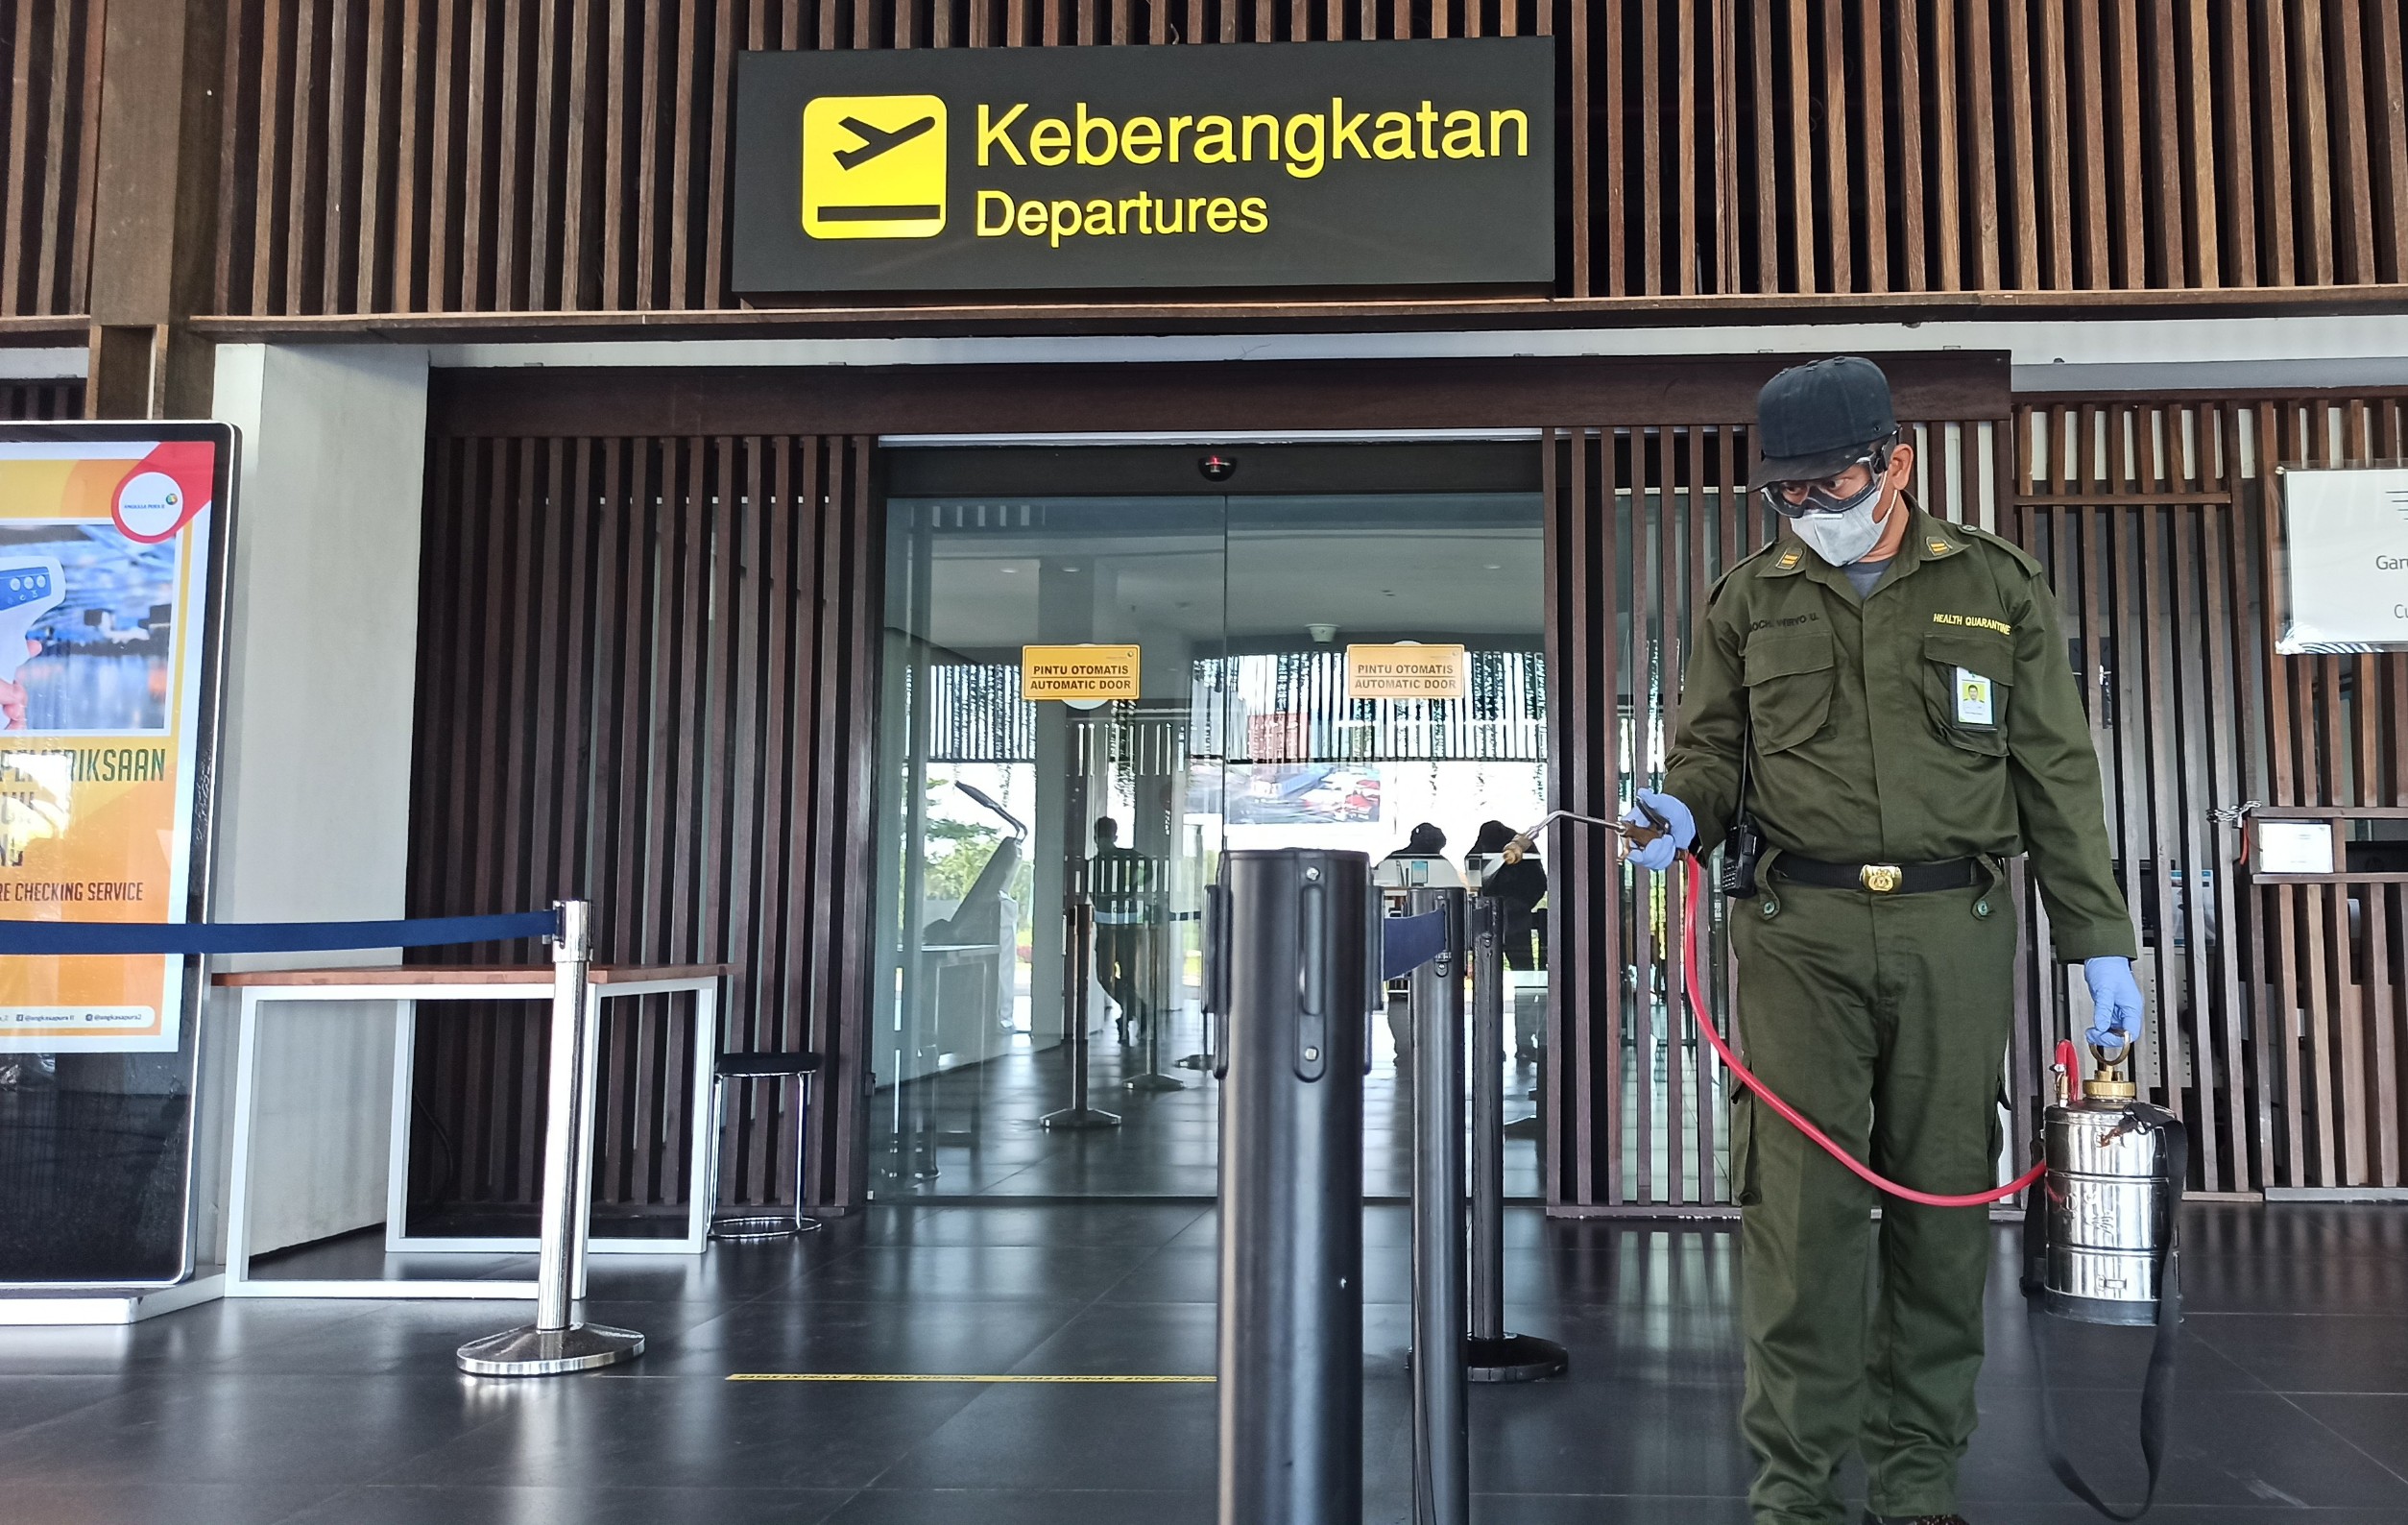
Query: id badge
[(1973, 699)]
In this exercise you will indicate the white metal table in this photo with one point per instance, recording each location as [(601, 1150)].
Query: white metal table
[(406, 986)]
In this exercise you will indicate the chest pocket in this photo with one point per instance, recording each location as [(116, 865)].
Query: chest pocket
[(1969, 682), (1789, 679)]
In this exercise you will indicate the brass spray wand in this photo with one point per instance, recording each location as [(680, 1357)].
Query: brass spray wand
[(1633, 833)]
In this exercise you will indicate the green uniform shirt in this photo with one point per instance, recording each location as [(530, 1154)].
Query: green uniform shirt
[(1936, 719)]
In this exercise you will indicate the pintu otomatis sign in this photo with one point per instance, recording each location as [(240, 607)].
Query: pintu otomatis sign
[(1272, 164)]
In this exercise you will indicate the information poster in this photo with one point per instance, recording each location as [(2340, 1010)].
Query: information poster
[(2344, 553), (106, 561)]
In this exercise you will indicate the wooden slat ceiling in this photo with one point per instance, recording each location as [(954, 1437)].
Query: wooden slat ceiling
[(429, 157)]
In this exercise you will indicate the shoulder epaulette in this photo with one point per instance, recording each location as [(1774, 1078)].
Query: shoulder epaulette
[(2023, 558), (1715, 590)]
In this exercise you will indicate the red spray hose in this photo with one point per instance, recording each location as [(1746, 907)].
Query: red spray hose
[(1796, 1119)]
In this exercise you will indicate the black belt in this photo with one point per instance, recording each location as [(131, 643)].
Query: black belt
[(1881, 878)]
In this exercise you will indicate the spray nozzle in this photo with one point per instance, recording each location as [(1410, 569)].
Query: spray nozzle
[(1633, 832)]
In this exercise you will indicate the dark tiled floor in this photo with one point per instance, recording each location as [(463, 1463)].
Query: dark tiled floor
[(977, 1128), (2294, 1404)]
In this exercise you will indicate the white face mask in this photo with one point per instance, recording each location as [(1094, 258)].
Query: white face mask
[(1842, 536)]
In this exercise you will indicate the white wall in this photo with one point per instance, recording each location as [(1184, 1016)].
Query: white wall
[(2097, 352), (313, 804)]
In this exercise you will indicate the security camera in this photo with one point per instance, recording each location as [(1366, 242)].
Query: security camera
[(1217, 468)]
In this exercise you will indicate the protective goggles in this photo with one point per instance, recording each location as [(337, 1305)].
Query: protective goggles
[(1827, 495)]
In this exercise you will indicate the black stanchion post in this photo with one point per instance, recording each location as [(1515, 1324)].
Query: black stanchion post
[(1492, 1354), (1442, 1480), (1288, 971), (555, 1342)]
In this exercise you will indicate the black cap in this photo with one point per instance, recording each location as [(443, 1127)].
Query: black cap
[(1817, 419)]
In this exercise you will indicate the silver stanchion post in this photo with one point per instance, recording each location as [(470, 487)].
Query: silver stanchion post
[(1288, 970), (1150, 993), (554, 1343), (1442, 1477), (1078, 960), (1493, 1355), (1203, 1058), (1207, 1058)]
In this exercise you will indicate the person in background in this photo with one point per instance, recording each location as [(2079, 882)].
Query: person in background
[(1420, 863), (1119, 883), (1520, 886)]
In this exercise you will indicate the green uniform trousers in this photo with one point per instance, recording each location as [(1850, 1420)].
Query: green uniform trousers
[(1884, 1018)]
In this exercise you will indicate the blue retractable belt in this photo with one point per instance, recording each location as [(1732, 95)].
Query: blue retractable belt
[(1408, 942), (35, 939)]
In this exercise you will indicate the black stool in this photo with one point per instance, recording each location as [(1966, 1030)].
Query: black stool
[(754, 1227)]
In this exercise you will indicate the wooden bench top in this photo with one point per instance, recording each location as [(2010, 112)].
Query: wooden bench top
[(465, 975)]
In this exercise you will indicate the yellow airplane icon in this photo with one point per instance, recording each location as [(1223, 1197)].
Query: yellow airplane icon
[(873, 166)]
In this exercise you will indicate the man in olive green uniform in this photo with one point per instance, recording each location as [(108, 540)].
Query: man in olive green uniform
[(1900, 686)]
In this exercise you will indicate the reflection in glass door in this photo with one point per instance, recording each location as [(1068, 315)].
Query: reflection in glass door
[(1311, 574), (1044, 864)]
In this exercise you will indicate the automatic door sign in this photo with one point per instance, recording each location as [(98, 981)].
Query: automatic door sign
[(1078, 674), (1288, 165), (873, 166), (1407, 671)]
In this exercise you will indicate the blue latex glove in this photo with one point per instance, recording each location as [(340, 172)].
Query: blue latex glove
[(2115, 999), (1658, 855)]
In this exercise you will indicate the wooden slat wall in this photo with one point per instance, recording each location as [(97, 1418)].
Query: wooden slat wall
[(455, 155), (42, 399), (2152, 520), (50, 56), (2282, 1042), (1640, 524), (646, 677)]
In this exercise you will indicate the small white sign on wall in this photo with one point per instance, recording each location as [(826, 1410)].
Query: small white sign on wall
[(2344, 572), (2294, 847)]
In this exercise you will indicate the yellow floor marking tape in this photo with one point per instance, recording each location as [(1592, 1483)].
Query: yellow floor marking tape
[(910, 1376)]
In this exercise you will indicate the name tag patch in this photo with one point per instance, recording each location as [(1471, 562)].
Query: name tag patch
[(1973, 699)]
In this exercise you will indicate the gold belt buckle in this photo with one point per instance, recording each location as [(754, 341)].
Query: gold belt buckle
[(1881, 878)]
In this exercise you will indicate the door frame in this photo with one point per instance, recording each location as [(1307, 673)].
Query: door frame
[(851, 408)]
